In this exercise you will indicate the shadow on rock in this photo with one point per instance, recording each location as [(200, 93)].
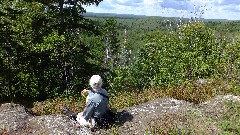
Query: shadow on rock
[(114, 119), (122, 117)]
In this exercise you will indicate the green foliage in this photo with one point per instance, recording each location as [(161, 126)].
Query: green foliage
[(48, 49), (120, 79), (54, 106), (204, 45), (41, 51), (190, 53), (201, 51), (111, 45)]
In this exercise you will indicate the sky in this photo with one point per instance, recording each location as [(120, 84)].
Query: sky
[(207, 9)]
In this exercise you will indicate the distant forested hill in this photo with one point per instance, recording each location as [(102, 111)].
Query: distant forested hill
[(91, 14), (135, 27)]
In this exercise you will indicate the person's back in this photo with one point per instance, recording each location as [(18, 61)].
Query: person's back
[(97, 104)]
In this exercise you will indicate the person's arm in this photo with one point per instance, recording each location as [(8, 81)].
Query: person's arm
[(84, 92)]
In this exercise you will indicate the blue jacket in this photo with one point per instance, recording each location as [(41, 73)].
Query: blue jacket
[(97, 104)]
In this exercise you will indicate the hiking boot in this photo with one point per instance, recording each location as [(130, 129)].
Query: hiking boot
[(71, 115), (65, 110)]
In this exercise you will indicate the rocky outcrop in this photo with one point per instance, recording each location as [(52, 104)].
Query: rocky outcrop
[(148, 113), (15, 119)]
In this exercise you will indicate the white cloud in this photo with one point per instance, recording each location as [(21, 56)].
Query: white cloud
[(212, 9)]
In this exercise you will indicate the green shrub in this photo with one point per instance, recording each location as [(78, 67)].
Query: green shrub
[(191, 53)]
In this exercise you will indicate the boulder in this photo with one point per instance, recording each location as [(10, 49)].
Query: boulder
[(15, 119)]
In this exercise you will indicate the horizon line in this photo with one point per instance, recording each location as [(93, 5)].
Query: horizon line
[(153, 16)]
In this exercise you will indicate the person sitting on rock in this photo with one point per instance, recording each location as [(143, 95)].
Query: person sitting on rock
[(96, 104)]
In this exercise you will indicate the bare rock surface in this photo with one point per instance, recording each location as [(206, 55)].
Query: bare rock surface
[(15, 119), (148, 113), (52, 125), (216, 106)]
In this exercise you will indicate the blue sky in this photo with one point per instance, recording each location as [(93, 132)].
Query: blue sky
[(208, 9)]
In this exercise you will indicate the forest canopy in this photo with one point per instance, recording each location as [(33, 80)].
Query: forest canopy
[(51, 48)]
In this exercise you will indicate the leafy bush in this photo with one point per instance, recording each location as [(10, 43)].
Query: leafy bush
[(120, 79), (191, 53), (55, 106)]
